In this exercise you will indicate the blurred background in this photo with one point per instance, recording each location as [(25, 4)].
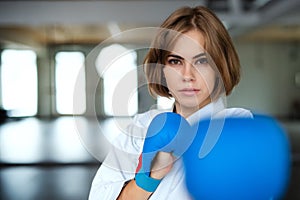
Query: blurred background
[(56, 116)]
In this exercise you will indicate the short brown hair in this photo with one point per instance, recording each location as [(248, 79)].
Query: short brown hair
[(218, 45)]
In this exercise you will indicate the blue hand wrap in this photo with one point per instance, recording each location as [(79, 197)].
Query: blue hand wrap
[(145, 182)]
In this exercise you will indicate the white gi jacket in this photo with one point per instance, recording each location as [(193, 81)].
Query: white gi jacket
[(121, 162)]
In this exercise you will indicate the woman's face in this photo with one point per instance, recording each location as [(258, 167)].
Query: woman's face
[(189, 76)]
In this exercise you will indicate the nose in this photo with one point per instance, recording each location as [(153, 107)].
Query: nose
[(188, 72)]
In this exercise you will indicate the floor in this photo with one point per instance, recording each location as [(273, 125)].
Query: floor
[(56, 159), (51, 158)]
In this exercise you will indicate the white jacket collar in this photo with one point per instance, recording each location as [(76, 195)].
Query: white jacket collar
[(207, 111)]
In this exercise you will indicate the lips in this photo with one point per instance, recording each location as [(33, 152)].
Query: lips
[(189, 91)]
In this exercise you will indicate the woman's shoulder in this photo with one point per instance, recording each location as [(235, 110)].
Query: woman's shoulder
[(132, 138), (145, 118), (238, 112)]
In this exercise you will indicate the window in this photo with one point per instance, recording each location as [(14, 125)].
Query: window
[(70, 73), (19, 82), (164, 103), (119, 73)]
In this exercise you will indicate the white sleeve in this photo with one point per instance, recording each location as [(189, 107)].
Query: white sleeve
[(239, 112), (109, 180), (234, 112), (120, 164)]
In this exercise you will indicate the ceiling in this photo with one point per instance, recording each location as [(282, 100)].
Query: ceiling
[(36, 23)]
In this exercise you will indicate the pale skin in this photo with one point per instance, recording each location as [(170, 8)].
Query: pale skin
[(190, 80)]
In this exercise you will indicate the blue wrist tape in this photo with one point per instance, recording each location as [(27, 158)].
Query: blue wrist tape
[(146, 182)]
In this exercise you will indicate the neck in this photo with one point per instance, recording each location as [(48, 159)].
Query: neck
[(186, 111)]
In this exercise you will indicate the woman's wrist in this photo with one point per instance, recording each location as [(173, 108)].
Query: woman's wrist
[(146, 182), (132, 191)]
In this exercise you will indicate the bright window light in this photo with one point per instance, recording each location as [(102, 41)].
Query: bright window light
[(70, 72), (19, 82), (120, 80), (164, 103)]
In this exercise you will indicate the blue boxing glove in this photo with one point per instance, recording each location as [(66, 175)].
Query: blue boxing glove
[(167, 132), (251, 160)]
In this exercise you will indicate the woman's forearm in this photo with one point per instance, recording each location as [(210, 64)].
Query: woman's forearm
[(133, 192)]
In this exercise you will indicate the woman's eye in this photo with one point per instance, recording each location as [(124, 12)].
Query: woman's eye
[(174, 62), (201, 61)]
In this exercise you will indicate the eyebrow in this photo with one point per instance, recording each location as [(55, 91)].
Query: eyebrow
[(179, 57), (199, 55)]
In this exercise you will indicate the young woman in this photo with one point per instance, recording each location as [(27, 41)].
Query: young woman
[(192, 59)]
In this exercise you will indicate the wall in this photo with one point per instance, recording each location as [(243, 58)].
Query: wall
[(268, 77), (267, 84)]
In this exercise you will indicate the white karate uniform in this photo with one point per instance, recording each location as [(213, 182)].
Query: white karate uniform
[(121, 162)]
